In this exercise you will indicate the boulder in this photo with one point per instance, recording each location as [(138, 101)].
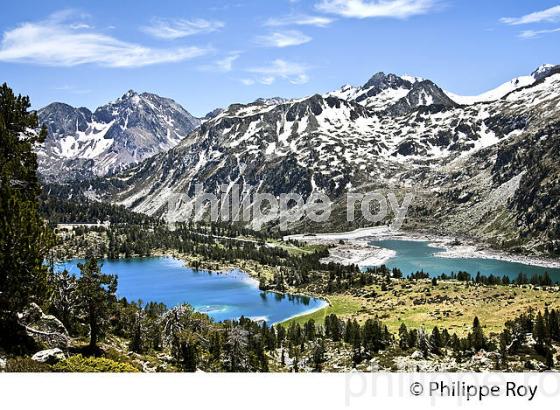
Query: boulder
[(49, 356), (374, 365), (46, 330), (417, 355), (2, 364), (483, 360)]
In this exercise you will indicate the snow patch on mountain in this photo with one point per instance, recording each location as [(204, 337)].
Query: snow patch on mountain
[(506, 88), (494, 94)]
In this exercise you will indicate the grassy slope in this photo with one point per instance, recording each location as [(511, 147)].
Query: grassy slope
[(451, 305), (340, 305)]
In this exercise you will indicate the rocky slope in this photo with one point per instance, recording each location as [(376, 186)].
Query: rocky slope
[(506, 192), (486, 169), (136, 126)]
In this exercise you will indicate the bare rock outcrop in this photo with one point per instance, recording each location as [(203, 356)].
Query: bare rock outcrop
[(46, 330)]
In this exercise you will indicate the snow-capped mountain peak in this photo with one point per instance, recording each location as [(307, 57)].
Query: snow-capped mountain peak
[(411, 78), (394, 94), (544, 71), (378, 93), (125, 131), (504, 89)]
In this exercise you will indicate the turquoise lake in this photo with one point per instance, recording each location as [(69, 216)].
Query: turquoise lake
[(231, 295), (222, 296), (412, 256)]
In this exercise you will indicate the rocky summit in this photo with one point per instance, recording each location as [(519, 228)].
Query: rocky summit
[(82, 144)]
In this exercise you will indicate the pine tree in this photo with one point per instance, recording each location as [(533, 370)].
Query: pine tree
[(356, 337), (310, 330), (333, 328), (96, 293), (445, 338), (549, 359), (539, 333), (554, 325), (295, 361), (477, 340), (373, 336), (455, 343), (215, 347), (412, 338), (281, 335), (136, 342), (348, 332), (403, 337), (24, 236), (188, 353), (435, 341), (319, 356), (505, 340), (424, 343), (65, 298), (236, 347)]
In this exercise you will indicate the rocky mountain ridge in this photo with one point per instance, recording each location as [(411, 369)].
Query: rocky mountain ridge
[(134, 127), (472, 167)]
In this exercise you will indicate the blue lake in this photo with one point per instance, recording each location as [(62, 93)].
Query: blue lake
[(220, 295), (412, 256)]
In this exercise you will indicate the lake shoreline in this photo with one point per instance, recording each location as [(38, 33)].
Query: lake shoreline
[(309, 312), (249, 276), (359, 253), (253, 276), (464, 249)]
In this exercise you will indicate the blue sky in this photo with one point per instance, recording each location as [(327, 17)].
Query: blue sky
[(207, 54)]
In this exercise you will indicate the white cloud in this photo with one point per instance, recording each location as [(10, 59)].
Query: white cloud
[(283, 39), (376, 8), (78, 26), (59, 42), (226, 64), (549, 15), (71, 89), (247, 81), (268, 80), (299, 20), (294, 73), (223, 65), (172, 29), (528, 34)]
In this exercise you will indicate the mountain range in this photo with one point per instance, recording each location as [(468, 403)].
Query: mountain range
[(484, 166)]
